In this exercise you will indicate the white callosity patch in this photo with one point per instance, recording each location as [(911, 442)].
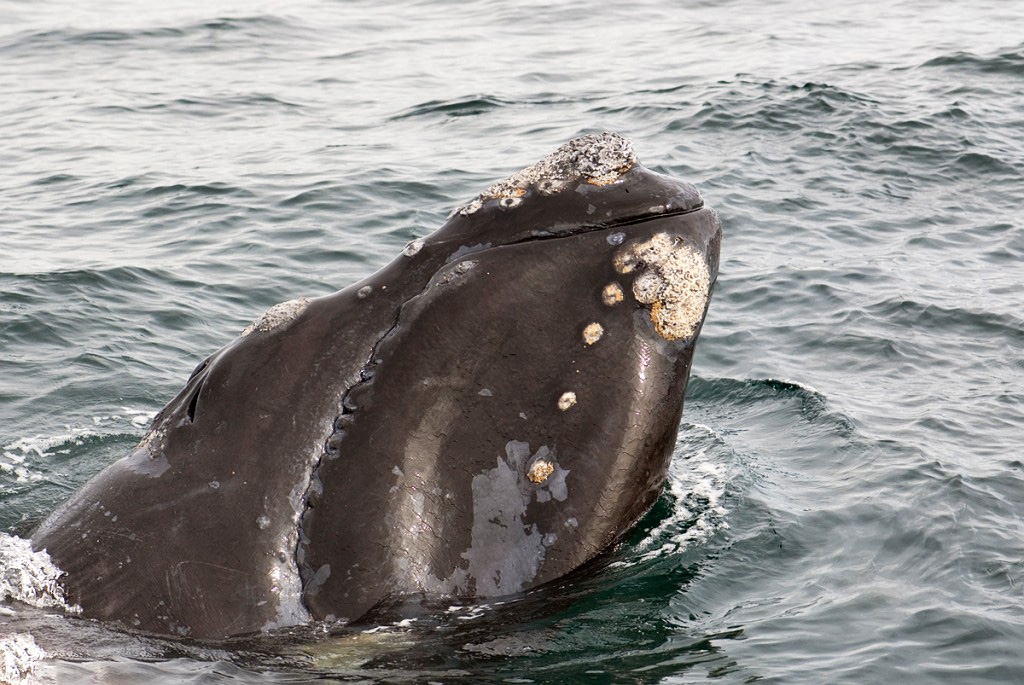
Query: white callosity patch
[(611, 295), (18, 656), (455, 273), (413, 248), (592, 333), (675, 282), (505, 553), (567, 401), (553, 482), (599, 159), (148, 458), (29, 577), (539, 471), (278, 315)]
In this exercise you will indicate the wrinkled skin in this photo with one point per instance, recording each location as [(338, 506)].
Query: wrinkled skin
[(409, 434)]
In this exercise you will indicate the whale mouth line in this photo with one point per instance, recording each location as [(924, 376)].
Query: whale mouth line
[(617, 223), (556, 233)]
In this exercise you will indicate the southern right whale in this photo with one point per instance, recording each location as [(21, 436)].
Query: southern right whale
[(483, 415)]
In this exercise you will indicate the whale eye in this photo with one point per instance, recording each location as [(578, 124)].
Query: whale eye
[(510, 202)]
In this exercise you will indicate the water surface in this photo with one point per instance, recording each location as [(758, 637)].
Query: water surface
[(845, 502)]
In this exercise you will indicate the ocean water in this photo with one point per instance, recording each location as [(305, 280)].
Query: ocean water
[(845, 504)]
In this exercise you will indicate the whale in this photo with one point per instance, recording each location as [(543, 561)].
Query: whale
[(488, 412)]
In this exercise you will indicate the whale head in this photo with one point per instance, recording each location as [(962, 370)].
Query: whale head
[(483, 415)]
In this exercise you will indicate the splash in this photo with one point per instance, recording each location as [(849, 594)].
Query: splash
[(21, 458), (697, 484), (30, 577), (18, 656)]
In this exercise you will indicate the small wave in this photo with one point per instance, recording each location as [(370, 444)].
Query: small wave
[(208, 35), (22, 458), (36, 41), (233, 106), (56, 179), (945, 321), (756, 390), (459, 107), (982, 163), (199, 190), (17, 458), (1009, 62), (780, 107)]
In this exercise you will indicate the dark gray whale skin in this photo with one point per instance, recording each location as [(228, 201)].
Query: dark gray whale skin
[(448, 426)]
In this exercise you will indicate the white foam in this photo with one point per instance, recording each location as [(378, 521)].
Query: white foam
[(19, 458), (29, 577), (698, 483), (18, 656)]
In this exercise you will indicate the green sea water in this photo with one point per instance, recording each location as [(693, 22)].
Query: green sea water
[(846, 500)]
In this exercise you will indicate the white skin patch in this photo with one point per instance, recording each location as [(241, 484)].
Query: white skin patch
[(592, 333), (278, 315), (567, 401), (506, 553), (675, 283)]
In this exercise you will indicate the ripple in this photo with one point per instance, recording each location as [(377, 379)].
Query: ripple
[(1009, 62), (844, 498), (210, 35), (945, 321), (460, 107)]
